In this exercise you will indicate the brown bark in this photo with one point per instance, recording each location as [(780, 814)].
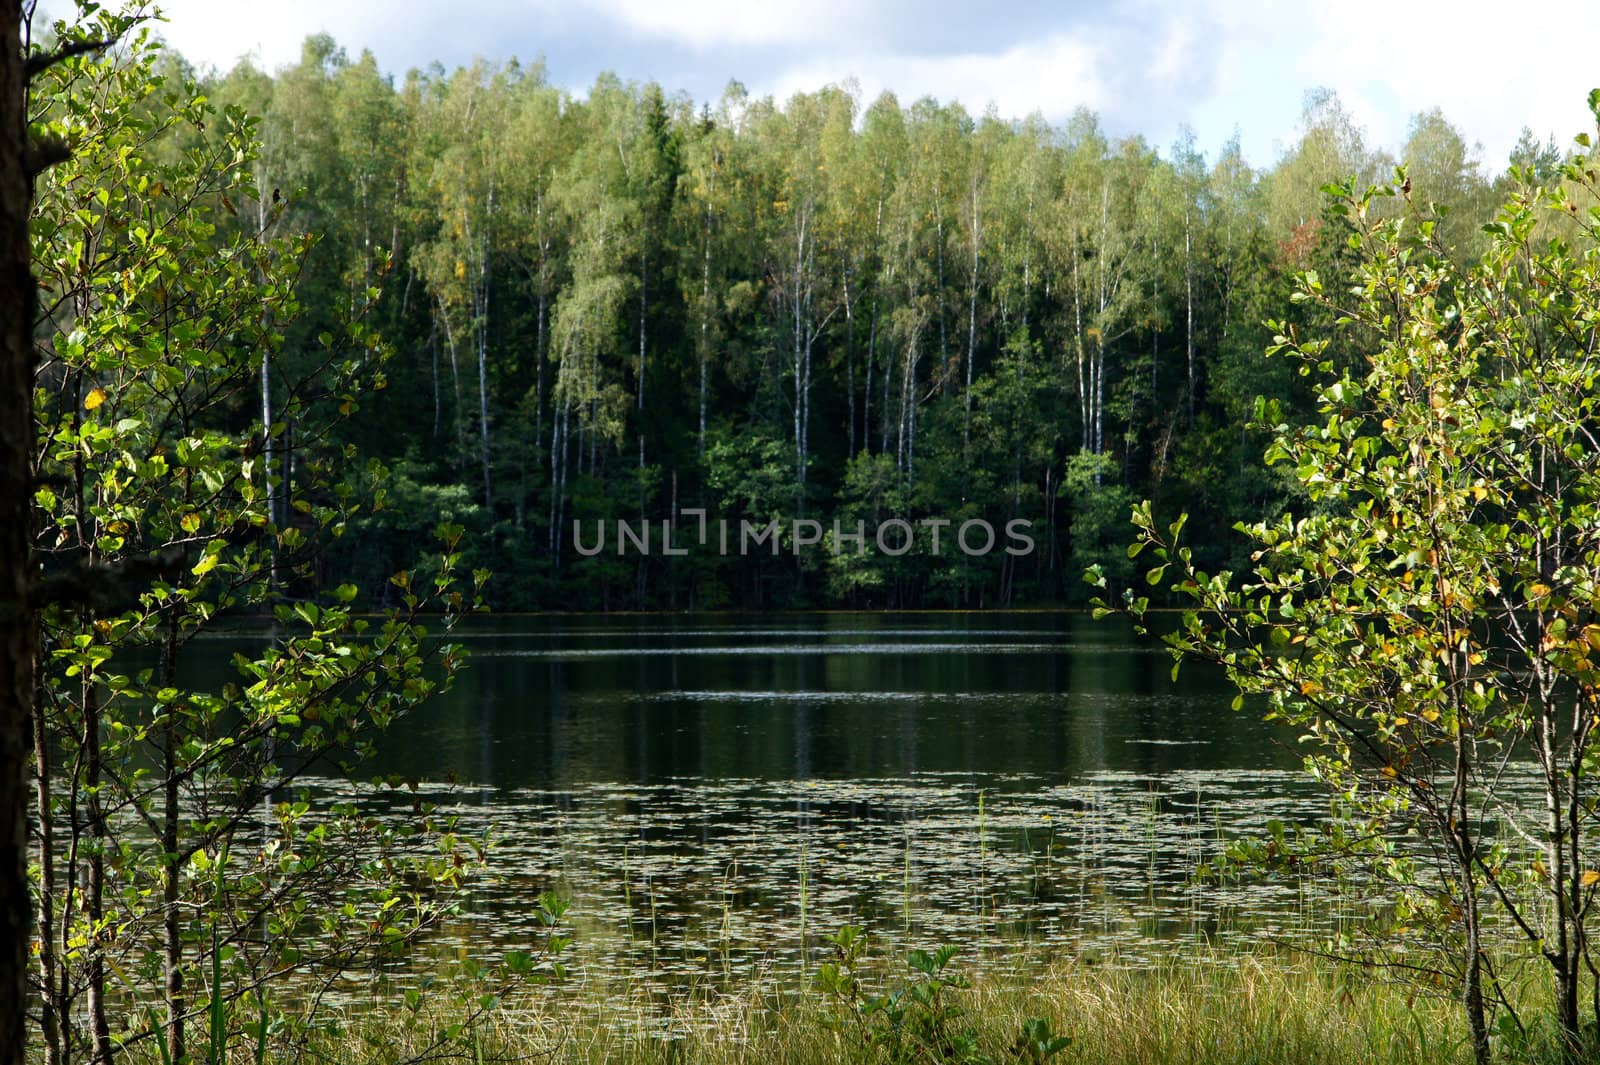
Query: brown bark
[(18, 629)]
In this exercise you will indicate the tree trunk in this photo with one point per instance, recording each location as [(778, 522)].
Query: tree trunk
[(19, 634), (644, 282), (95, 870), (944, 335), (1188, 300), (1077, 331), (266, 455), (850, 364), (872, 343), (51, 1004), (455, 384), (972, 328), (798, 305), (1576, 778), (1458, 818), (433, 347), (1472, 986), (705, 329), (171, 922), (1564, 861), (483, 389), (541, 345), (640, 571)]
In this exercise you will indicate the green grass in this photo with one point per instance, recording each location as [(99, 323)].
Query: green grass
[(1214, 1010)]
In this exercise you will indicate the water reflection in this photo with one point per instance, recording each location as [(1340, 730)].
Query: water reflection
[(554, 703)]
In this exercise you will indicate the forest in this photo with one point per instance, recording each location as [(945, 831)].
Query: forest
[(301, 368), (623, 304)]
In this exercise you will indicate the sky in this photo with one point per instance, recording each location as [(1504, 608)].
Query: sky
[(1150, 67)]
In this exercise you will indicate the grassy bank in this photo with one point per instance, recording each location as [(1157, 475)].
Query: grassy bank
[(1221, 1010)]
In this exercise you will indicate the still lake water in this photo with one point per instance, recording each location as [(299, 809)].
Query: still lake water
[(715, 793), (1005, 700)]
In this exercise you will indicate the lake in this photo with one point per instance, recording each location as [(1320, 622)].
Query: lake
[(716, 793), (1006, 700)]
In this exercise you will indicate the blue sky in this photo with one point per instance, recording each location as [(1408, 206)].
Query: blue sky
[(1146, 66)]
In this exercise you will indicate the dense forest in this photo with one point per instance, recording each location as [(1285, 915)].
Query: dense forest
[(627, 305)]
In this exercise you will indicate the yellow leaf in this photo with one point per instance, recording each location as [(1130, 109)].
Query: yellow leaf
[(1590, 878), (1388, 424), (190, 522), (205, 565), (1310, 687), (1430, 715), (94, 399), (1389, 772)]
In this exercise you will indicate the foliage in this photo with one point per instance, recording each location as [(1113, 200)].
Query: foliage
[(614, 304), (1428, 613), (183, 857), (923, 1019)]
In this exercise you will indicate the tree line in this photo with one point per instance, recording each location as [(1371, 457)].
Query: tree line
[(624, 305)]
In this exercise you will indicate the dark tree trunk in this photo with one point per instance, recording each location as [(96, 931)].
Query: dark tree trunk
[(19, 635)]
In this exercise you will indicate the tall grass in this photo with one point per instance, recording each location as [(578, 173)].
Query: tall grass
[(1222, 1009)]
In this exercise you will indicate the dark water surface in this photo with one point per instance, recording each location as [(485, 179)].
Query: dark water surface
[(715, 793), (557, 702)]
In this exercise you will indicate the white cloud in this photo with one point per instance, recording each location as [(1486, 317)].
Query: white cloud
[(1148, 65), (1053, 76), (705, 23), (1460, 57), (1466, 63), (221, 30)]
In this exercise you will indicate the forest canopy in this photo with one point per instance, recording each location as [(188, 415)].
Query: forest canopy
[(625, 306)]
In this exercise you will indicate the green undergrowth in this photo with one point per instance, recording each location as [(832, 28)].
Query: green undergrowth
[(931, 1008)]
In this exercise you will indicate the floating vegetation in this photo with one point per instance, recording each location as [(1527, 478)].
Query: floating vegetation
[(700, 889)]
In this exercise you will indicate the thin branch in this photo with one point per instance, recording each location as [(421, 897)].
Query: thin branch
[(40, 62)]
